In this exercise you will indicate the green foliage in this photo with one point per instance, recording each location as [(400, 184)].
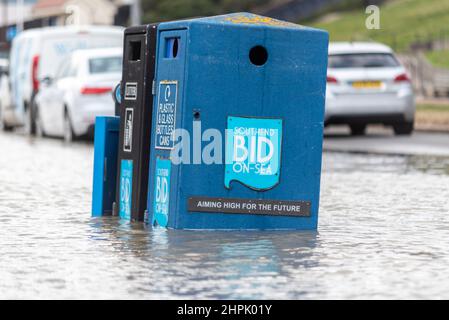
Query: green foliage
[(439, 58), (402, 22), (163, 10), (426, 107)]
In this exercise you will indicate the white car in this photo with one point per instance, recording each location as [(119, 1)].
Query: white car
[(367, 84), (4, 92), (66, 105), (35, 55)]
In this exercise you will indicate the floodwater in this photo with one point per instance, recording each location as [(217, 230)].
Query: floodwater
[(383, 233)]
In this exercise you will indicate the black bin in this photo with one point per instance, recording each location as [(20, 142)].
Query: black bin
[(135, 111)]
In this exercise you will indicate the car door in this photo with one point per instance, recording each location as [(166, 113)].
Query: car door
[(19, 76), (43, 99), (65, 86), (51, 105)]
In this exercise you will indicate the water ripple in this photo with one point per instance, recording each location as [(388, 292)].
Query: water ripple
[(383, 233)]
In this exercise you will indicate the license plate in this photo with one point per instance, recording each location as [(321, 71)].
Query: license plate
[(367, 84)]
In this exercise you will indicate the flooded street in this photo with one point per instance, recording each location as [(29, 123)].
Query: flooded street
[(383, 233)]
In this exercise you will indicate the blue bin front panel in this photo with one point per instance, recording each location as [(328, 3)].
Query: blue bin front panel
[(105, 165), (217, 80), (167, 113)]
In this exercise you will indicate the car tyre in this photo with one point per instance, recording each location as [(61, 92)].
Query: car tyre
[(69, 135), (358, 129), (4, 126), (404, 129), (38, 124), (30, 123)]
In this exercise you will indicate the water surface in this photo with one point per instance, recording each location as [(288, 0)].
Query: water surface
[(383, 233)]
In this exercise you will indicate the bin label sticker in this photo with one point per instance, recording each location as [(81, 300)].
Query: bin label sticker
[(128, 132), (161, 192), (131, 91), (166, 114), (126, 184), (253, 152), (287, 208)]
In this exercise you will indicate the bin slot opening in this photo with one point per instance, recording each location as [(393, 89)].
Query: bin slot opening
[(135, 48), (171, 47), (258, 55)]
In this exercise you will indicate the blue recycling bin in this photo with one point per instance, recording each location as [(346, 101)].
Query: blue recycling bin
[(105, 165), (237, 124)]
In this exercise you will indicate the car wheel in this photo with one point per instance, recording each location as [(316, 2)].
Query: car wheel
[(38, 123), (30, 124), (69, 135), (3, 125), (358, 129), (405, 128)]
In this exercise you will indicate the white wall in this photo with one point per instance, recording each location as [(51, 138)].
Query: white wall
[(13, 11)]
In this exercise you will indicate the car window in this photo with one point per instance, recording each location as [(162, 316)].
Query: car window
[(105, 65), (72, 70), (63, 69), (58, 47), (362, 60)]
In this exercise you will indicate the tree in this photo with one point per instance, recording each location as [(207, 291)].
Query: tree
[(163, 10)]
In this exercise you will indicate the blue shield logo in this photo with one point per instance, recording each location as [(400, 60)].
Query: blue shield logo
[(126, 185), (161, 192), (253, 152)]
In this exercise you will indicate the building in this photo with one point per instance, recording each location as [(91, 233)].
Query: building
[(11, 11), (80, 12), (26, 14)]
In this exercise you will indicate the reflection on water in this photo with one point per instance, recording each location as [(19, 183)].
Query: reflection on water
[(206, 264), (341, 162), (383, 233)]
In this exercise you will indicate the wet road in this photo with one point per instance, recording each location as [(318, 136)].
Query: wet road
[(382, 141), (383, 233)]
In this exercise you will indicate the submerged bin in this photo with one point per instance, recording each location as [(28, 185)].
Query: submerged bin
[(135, 112), (221, 125), (237, 124)]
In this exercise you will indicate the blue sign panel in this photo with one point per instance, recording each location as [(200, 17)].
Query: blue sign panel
[(161, 192), (253, 152), (126, 183), (166, 114)]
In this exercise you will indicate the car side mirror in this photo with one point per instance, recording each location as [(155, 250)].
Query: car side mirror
[(47, 81)]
